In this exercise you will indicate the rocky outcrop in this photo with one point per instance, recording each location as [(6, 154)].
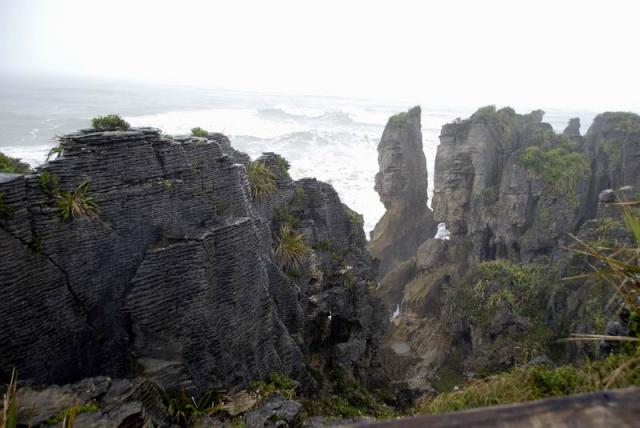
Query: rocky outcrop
[(172, 278), (408, 221), (510, 191), (402, 186)]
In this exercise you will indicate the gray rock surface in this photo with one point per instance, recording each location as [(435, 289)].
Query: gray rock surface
[(508, 188), (175, 276)]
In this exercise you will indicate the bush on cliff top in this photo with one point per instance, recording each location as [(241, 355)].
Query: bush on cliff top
[(111, 122), (199, 132), (261, 179), (13, 165)]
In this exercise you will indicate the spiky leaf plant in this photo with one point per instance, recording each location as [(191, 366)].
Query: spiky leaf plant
[(290, 248), (77, 203), (261, 179)]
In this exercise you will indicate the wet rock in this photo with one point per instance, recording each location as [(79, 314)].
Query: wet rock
[(276, 411)]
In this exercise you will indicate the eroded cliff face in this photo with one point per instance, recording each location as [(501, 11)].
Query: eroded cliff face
[(174, 279), (510, 191)]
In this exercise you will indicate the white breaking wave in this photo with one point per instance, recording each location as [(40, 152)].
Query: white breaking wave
[(333, 141)]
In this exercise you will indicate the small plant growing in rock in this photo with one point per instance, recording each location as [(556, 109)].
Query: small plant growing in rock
[(50, 184), (290, 249), (261, 179), (199, 132), (111, 122), (77, 203), (5, 209), (58, 148), (298, 195)]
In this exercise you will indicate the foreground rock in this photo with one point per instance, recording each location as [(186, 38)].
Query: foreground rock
[(173, 279)]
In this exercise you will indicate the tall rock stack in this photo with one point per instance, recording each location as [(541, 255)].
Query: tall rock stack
[(402, 186)]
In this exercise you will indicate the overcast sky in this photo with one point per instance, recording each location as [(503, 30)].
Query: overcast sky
[(577, 54)]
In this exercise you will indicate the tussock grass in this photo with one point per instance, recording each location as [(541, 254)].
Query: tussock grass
[(77, 203), (261, 179), (290, 248)]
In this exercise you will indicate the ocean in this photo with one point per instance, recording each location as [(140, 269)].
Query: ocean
[(329, 138)]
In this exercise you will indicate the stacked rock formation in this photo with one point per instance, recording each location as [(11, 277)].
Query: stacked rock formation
[(173, 280), (402, 185), (510, 191)]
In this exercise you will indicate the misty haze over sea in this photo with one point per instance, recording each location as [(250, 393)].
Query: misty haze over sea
[(332, 139)]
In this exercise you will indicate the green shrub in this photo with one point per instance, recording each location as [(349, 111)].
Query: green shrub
[(77, 203), (50, 184), (353, 216), (559, 169), (199, 132), (13, 165), (290, 249), (261, 179), (111, 122), (284, 165)]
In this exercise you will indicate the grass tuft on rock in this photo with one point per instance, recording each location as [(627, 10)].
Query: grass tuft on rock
[(261, 179), (290, 249), (111, 122), (77, 203)]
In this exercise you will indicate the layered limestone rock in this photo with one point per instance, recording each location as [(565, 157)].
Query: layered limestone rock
[(510, 191), (173, 278), (402, 186)]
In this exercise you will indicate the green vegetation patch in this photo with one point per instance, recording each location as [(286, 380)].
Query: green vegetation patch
[(350, 400), (6, 210), (275, 382), (199, 132), (290, 248), (261, 179), (13, 165), (111, 122), (72, 412), (353, 216), (559, 168), (536, 382), (77, 203), (283, 164)]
